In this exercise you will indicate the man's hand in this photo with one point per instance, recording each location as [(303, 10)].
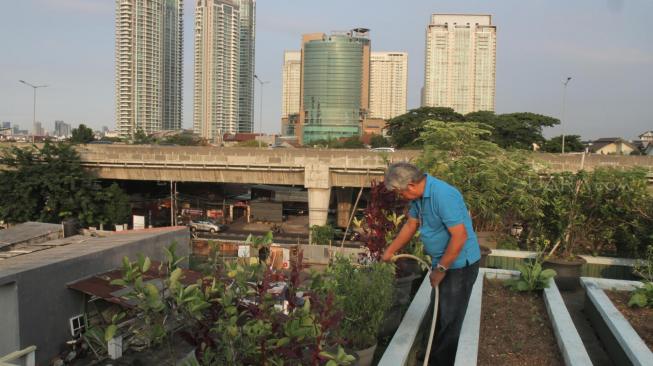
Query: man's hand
[(387, 256), (436, 277)]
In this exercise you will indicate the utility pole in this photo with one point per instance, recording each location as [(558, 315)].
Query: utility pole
[(564, 100), (261, 83), (34, 105)]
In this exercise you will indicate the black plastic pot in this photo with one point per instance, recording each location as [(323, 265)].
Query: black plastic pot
[(567, 272)]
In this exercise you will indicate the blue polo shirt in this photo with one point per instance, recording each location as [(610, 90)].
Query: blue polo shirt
[(441, 207)]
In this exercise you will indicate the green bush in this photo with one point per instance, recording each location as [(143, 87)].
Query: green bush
[(531, 277), (364, 294), (643, 296), (322, 235)]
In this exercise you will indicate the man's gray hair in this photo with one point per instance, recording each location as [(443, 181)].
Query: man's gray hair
[(399, 175)]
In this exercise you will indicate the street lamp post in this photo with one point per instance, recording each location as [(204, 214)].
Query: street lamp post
[(34, 106), (564, 101), (261, 83)]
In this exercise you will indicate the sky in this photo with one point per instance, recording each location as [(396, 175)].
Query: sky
[(606, 46)]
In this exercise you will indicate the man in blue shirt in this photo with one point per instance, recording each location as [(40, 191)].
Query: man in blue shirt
[(440, 213)]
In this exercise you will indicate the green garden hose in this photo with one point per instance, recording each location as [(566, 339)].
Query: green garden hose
[(435, 305)]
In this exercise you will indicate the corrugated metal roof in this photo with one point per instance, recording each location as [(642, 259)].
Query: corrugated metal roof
[(99, 286)]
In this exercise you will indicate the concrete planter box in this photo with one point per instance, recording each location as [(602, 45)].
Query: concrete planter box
[(401, 350), (623, 344), (605, 267)]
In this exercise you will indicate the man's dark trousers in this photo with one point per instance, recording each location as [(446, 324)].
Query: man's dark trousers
[(455, 289)]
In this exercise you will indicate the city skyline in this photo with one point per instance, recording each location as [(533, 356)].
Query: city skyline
[(610, 69)]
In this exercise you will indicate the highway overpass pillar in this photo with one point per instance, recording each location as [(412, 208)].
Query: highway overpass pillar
[(317, 181), (318, 206)]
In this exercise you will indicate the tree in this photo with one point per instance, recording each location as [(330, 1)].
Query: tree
[(116, 206), (48, 184), (379, 141), (406, 128), (572, 144), (520, 130), (185, 138), (495, 183), (82, 135), (486, 117), (141, 138)]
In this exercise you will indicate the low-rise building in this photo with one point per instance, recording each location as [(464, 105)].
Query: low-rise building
[(612, 146), (37, 307)]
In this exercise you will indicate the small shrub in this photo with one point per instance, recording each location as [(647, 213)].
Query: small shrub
[(642, 297), (322, 235), (531, 277)]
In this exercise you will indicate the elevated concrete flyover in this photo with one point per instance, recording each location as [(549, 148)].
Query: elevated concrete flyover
[(317, 170)]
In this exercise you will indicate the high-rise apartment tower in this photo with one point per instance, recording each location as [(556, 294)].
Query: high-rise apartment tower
[(223, 100), (246, 66), (149, 37), (460, 67), (388, 84), (217, 60), (292, 70)]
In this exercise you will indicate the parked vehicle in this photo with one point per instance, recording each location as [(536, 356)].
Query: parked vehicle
[(383, 149), (205, 226)]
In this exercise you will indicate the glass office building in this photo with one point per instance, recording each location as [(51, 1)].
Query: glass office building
[(335, 89)]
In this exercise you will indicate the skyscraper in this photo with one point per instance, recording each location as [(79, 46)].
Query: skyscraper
[(335, 84), (388, 84), (149, 37), (62, 129), (292, 70), (460, 67), (218, 69), (38, 129), (246, 65)]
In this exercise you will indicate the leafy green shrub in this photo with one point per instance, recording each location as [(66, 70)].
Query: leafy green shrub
[(531, 277), (322, 235), (645, 267), (643, 296), (232, 318), (364, 294)]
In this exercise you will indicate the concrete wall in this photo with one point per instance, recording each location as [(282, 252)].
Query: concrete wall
[(46, 304), (9, 331)]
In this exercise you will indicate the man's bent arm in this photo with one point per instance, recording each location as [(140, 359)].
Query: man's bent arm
[(405, 234), (456, 244)]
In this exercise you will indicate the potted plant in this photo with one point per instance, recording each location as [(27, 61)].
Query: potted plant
[(561, 225), (363, 294)]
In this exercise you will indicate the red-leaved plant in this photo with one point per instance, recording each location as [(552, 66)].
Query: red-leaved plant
[(377, 223)]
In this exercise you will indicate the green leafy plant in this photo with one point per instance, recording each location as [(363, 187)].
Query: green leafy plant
[(231, 317), (531, 277), (642, 297), (261, 244), (644, 267), (364, 293), (322, 235)]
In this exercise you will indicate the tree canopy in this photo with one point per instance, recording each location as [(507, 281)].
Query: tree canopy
[(572, 144), (406, 128), (512, 130), (82, 135), (48, 184)]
